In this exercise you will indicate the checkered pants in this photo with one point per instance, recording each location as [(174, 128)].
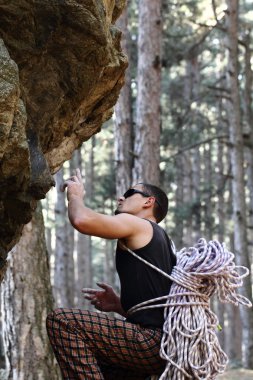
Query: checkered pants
[(91, 345)]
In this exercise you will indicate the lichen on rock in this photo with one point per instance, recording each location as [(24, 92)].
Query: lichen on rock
[(61, 70)]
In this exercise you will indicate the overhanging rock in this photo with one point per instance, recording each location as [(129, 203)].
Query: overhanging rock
[(61, 70)]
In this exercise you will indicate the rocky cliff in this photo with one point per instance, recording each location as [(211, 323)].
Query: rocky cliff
[(61, 70)]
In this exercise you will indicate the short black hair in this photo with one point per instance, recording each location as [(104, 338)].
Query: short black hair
[(162, 204)]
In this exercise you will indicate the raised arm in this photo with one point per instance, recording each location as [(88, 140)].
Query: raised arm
[(93, 223)]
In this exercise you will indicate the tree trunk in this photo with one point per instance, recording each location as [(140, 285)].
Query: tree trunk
[(194, 96), (233, 337), (61, 247), (26, 301), (208, 191), (178, 236), (221, 213), (123, 122), (187, 186), (147, 133), (71, 270), (84, 248), (249, 133), (238, 189)]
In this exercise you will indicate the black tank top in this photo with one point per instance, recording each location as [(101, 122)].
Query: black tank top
[(140, 283)]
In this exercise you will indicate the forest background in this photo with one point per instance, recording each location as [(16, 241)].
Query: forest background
[(183, 121)]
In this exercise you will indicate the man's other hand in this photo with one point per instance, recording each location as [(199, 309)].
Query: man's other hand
[(103, 300)]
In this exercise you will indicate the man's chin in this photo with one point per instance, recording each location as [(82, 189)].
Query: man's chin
[(117, 212)]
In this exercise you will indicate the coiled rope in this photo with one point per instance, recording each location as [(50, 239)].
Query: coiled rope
[(189, 343)]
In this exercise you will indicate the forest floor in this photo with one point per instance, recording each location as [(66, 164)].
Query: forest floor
[(237, 374)]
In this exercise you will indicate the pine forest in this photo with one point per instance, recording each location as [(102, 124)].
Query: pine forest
[(183, 122)]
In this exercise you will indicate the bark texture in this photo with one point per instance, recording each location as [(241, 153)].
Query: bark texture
[(238, 189), (123, 120), (84, 243), (147, 135), (26, 301), (61, 70), (62, 270)]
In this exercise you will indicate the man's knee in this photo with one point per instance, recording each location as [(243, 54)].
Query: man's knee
[(53, 317)]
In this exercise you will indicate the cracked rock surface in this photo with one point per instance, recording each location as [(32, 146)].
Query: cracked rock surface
[(61, 70)]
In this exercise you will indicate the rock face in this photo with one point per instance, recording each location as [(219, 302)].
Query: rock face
[(61, 70)]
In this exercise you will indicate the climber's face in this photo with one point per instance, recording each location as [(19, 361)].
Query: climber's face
[(133, 201)]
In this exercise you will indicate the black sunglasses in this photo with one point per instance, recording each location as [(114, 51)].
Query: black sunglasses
[(131, 192)]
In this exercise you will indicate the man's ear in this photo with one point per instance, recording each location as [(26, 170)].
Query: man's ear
[(149, 202)]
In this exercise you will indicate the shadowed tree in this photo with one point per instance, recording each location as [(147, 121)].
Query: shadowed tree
[(238, 187), (26, 301)]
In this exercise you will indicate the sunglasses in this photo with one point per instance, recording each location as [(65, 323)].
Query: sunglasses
[(131, 192)]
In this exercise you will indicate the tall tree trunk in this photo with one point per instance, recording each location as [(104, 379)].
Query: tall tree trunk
[(26, 301), (249, 132), (84, 259), (208, 191), (220, 181), (147, 133), (71, 271), (193, 73), (233, 337), (179, 230), (187, 186), (123, 122), (48, 227), (61, 247), (238, 188), (191, 84)]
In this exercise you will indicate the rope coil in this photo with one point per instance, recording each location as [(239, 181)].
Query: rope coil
[(189, 342)]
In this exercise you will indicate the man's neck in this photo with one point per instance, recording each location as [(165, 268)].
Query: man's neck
[(147, 217)]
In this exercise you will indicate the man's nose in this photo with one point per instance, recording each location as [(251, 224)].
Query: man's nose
[(121, 198)]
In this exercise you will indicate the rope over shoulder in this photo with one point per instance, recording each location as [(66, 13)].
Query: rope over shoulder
[(189, 343)]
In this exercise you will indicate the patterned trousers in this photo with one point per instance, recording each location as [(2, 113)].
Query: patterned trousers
[(91, 345)]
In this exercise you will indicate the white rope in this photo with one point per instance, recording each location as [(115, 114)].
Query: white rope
[(189, 343)]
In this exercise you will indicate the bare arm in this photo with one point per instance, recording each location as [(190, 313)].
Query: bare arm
[(93, 223)]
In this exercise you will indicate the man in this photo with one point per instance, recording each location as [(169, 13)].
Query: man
[(92, 345)]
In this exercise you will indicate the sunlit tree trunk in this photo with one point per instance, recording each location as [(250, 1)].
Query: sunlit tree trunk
[(84, 248), (70, 235), (147, 133), (26, 301), (61, 247), (48, 227), (238, 189), (123, 142)]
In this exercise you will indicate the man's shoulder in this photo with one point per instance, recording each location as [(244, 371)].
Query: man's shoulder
[(131, 219)]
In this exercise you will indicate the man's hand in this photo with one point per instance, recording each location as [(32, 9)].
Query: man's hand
[(104, 300), (74, 185)]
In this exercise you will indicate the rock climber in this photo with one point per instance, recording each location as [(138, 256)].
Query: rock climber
[(91, 344)]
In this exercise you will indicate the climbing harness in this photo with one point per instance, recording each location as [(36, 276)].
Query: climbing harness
[(189, 344)]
